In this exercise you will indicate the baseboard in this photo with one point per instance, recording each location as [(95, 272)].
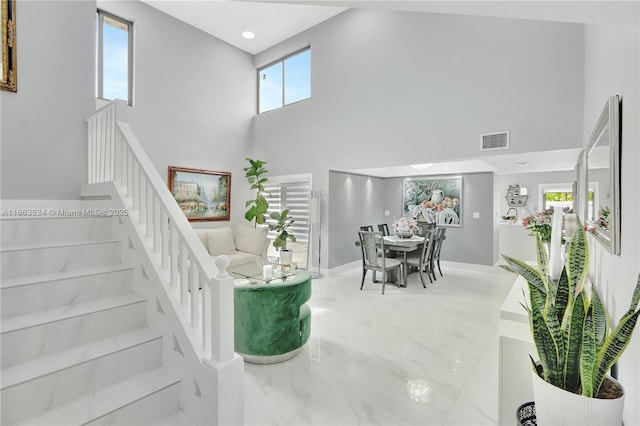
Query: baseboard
[(467, 266), (343, 268)]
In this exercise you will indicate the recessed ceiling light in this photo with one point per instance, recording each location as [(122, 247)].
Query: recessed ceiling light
[(523, 163), (248, 35), (421, 166)]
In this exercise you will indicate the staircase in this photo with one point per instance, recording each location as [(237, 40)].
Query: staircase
[(76, 347)]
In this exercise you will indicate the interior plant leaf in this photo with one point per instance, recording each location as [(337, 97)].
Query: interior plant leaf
[(541, 256), (543, 338), (635, 298), (588, 355), (600, 319), (507, 268), (577, 260), (530, 274), (573, 343), (562, 295), (613, 347), (257, 208)]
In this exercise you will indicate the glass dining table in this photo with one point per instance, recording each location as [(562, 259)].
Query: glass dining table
[(404, 246)]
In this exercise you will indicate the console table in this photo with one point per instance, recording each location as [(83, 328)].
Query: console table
[(272, 321), (516, 343)]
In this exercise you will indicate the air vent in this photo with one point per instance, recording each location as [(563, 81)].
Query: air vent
[(491, 141)]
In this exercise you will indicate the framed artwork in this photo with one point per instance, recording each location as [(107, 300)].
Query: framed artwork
[(433, 199), (202, 195)]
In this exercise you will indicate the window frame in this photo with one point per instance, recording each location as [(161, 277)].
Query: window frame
[(101, 13), (282, 61)]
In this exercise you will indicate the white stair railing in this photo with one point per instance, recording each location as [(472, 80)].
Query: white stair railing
[(115, 154)]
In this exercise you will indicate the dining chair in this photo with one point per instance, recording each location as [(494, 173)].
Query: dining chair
[(423, 261), (384, 228), (367, 228), (436, 250), (372, 244)]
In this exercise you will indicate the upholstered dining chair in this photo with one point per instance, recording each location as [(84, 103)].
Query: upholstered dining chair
[(367, 228), (439, 237), (372, 244), (424, 260)]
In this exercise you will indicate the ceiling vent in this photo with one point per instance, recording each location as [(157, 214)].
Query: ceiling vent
[(491, 141)]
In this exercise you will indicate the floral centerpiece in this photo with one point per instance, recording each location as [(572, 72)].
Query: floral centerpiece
[(405, 227), (539, 224), (603, 217)]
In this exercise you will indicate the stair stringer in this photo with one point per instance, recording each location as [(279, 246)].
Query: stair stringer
[(201, 378)]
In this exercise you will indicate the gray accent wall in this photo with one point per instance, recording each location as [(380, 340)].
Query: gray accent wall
[(362, 200), (43, 132)]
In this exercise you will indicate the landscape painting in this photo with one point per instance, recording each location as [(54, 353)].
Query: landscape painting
[(433, 199), (201, 194)]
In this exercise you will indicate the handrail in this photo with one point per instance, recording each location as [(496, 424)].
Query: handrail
[(115, 154)]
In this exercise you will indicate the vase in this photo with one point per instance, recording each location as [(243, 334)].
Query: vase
[(286, 257), (404, 234), (555, 406)]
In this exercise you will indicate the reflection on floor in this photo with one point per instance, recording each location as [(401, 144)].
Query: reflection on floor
[(367, 350)]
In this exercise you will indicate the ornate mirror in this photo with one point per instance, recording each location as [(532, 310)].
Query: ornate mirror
[(602, 166), (8, 79)]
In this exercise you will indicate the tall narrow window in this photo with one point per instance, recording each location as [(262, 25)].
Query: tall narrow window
[(114, 57), (285, 81)]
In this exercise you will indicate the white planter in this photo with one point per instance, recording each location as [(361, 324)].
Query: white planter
[(286, 257), (555, 406)]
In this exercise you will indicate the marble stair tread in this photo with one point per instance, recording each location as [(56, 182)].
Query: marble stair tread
[(178, 418), (36, 246), (107, 400), (53, 363), (31, 320), (59, 276)]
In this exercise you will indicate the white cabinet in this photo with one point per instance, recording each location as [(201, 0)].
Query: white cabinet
[(515, 345)]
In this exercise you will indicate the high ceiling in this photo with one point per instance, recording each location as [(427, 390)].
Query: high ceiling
[(273, 21)]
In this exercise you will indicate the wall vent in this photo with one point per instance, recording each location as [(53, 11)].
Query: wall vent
[(491, 141)]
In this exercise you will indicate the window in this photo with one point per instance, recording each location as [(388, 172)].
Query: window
[(114, 57), (285, 82)]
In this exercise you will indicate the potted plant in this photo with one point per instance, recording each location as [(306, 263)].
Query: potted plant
[(257, 208), (282, 225), (575, 346)]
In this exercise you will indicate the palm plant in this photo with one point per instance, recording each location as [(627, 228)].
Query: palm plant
[(570, 325), (257, 208)]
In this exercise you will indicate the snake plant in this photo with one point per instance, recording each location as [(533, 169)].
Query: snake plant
[(570, 324)]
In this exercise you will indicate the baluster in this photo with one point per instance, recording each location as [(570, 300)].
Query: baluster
[(130, 160), (142, 180), (173, 254), (135, 185), (90, 150), (116, 158), (125, 148), (195, 293), (203, 311), (103, 144), (149, 220), (114, 133), (184, 273), (164, 236), (156, 224), (107, 147)]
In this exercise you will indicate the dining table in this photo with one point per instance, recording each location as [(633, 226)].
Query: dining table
[(404, 246)]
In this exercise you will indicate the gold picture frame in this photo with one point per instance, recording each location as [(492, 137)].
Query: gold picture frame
[(9, 77), (202, 195)]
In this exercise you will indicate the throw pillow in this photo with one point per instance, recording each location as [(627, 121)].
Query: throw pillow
[(220, 241), (251, 240)]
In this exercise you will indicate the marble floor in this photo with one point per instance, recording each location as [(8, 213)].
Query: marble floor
[(367, 349)]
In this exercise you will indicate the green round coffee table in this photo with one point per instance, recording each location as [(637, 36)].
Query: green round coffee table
[(272, 321)]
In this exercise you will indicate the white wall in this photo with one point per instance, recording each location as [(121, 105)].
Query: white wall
[(194, 98), (611, 67), (395, 88), (43, 136)]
